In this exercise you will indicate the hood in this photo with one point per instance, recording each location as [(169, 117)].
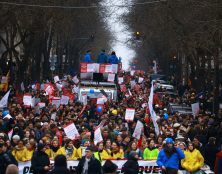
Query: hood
[(132, 155)]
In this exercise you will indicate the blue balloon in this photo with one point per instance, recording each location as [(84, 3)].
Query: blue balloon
[(165, 116), (99, 109), (4, 113), (91, 91)]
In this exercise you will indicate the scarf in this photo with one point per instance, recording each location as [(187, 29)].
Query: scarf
[(54, 149), (86, 166), (69, 151)]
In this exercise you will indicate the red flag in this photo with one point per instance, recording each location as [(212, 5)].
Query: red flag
[(59, 135), (68, 93)]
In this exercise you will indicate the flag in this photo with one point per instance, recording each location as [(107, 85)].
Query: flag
[(4, 100), (10, 134), (152, 112), (97, 136), (138, 130)]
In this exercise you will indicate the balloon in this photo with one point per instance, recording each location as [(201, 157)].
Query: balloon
[(91, 91), (4, 113), (99, 109), (165, 116)]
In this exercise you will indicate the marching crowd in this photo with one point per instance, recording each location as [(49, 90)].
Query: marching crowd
[(185, 142)]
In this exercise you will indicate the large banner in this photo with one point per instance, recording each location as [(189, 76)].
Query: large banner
[(98, 68), (145, 166)]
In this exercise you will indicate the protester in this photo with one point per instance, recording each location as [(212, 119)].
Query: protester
[(131, 166), (40, 161), (193, 160), (169, 158), (60, 165), (109, 167), (151, 152), (87, 57), (88, 164), (102, 57), (12, 169), (113, 59)]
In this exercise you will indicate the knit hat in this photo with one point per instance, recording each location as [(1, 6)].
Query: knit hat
[(40, 146), (169, 141)]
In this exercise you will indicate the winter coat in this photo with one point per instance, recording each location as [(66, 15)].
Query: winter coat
[(5, 160), (39, 161), (102, 155), (193, 161), (71, 157), (131, 166), (171, 162), (20, 154), (60, 170), (218, 163), (94, 166), (113, 59), (87, 58), (102, 58), (150, 154), (210, 152)]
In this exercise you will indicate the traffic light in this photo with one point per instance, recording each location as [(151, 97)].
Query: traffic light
[(137, 35)]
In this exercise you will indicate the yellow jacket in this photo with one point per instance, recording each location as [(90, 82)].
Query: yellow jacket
[(53, 154), (102, 155), (78, 153), (193, 161), (71, 157), (20, 154), (117, 155), (29, 154)]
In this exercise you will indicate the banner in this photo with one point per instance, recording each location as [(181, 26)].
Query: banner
[(71, 131), (4, 100), (111, 77), (97, 136), (152, 112), (145, 167), (138, 130), (129, 115)]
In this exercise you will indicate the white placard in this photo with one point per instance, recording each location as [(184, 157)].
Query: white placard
[(56, 79), (129, 114), (97, 136), (108, 68), (64, 100), (132, 84), (56, 102), (195, 108), (71, 131), (140, 80), (111, 77), (120, 80), (27, 100), (75, 80), (132, 73), (41, 105), (53, 116), (138, 130)]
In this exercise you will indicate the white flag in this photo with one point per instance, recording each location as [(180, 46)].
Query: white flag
[(152, 112), (138, 130), (84, 99), (22, 86), (4, 100), (10, 134), (71, 131), (97, 136), (129, 115)]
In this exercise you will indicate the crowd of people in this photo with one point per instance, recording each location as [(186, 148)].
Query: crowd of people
[(185, 142)]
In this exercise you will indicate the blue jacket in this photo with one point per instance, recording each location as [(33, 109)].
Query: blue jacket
[(87, 58), (173, 161), (113, 59), (102, 58)]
